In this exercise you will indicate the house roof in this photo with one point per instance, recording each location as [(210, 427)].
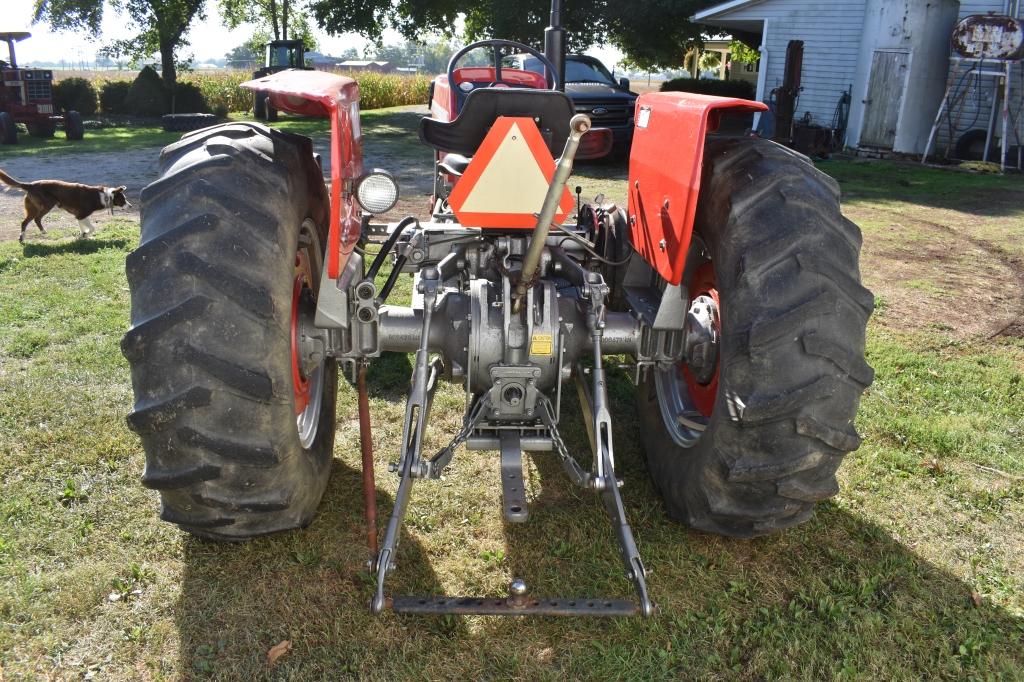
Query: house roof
[(363, 62), (718, 15)]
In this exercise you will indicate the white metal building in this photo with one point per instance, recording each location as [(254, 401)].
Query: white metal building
[(893, 54)]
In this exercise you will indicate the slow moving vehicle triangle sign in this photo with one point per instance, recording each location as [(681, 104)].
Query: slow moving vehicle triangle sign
[(505, 183)]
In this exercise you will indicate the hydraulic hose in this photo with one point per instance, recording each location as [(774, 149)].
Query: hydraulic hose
[(371, 274), (392, 278)]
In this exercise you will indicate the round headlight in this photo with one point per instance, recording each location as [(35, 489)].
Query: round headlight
[(377, 191)]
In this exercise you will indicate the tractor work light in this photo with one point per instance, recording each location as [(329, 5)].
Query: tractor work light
[(377, 191)]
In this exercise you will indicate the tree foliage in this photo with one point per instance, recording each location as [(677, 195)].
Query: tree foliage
[(242, 57), (430, 56), (274, 19), (162, 26), (741, 53), (652, 33)]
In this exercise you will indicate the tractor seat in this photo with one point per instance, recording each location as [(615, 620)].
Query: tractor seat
[(454, 164), (550, 110)]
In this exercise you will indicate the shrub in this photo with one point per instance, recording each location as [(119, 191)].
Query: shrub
[(113, 96), (75, 94), (708, 86), (221, 92), (147, 95), (189, 99)]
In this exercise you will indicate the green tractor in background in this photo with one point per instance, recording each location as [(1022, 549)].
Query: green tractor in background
[(278, 56)]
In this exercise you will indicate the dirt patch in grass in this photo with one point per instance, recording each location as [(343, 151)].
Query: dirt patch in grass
[(927, 275)]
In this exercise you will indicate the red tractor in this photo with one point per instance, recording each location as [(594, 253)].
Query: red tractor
[(26, 96), (730, 280)]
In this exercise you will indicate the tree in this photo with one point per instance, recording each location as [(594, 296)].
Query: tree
[(242, 57), (273, 21), (655, 33), (162, 26), (741, 53), (276, 18), (430, 56), (525, 21), (652, 33)]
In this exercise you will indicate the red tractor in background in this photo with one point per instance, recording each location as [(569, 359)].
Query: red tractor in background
[(730, 281), (26, 96)]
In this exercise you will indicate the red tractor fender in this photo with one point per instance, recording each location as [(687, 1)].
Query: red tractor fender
[(665, 172), (322, 94)]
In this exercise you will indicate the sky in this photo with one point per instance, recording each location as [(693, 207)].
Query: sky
[(208, 39)]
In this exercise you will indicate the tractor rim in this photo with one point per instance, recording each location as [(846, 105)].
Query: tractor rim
[(687, 403), (307, 375)]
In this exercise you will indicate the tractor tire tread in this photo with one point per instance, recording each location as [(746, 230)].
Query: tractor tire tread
[(251, 383), (149, 416), (792, 355), (230, 449), (172, 479), (144, 334), (209, 347)]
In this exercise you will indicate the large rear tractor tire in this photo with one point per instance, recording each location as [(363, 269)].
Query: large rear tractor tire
[(259, 105), (8, 129), (237, 427), (743, 441)]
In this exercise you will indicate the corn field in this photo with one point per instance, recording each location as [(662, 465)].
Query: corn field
[(220, 88)]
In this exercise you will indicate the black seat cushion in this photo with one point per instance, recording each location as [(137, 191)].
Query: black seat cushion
[(550, 110), (454, 164)]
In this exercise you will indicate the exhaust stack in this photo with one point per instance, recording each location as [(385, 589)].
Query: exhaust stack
[(554, 42)]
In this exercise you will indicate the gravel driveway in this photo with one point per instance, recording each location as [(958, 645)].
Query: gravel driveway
[(136, 168)]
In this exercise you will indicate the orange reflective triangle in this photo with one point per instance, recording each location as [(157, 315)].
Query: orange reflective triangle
[(505, 183)]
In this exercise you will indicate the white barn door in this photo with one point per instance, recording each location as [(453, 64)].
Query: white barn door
[(888, 81)]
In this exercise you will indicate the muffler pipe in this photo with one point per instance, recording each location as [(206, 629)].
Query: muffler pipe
[(554, 43), (578, 127)]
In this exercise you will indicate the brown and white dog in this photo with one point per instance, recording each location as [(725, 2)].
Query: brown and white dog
[(77, 199)]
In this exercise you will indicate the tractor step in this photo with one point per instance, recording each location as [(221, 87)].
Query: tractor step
[(491, 606), (516, 604), (512, 489)]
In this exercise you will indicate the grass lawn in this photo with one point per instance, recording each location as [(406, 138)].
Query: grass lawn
[(143, 133), (913, 571)]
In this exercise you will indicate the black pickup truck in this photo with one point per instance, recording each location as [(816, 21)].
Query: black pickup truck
[(594, 92)]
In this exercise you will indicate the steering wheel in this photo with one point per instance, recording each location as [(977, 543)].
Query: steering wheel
[(550, 76)]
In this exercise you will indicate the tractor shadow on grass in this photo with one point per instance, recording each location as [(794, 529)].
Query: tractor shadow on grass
[(839, 583), (81, 247), (839, 593), (310, 587)]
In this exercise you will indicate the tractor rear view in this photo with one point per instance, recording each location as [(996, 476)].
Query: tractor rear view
[(730, 281)]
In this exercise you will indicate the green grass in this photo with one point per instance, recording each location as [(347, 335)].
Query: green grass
[(912, 572), (96, 140), (142, 135)]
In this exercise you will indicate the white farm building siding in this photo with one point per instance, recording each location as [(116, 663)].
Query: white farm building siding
[(831, 32), (904, 43)]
